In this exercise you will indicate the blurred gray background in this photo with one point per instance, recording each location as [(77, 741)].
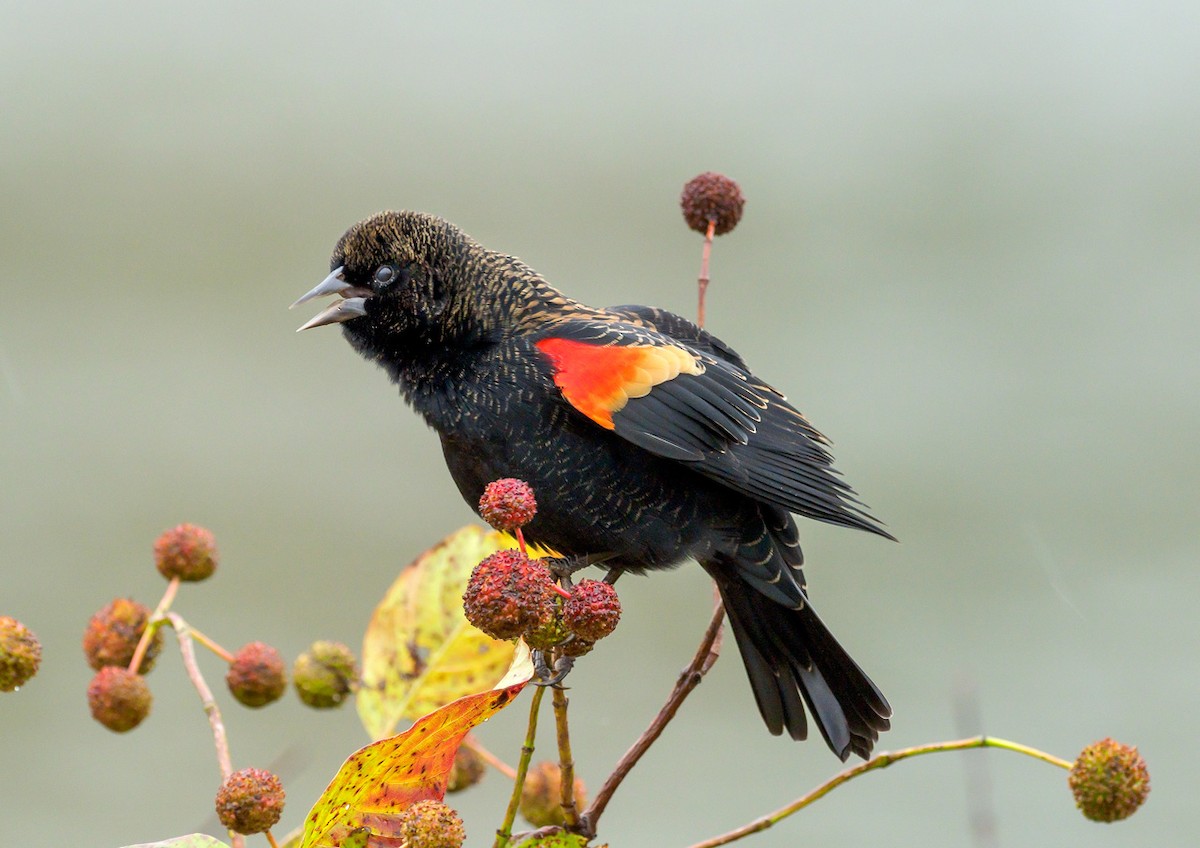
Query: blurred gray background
[(969, 254)]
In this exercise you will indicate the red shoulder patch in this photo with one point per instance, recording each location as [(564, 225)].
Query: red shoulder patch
[(599, 380)]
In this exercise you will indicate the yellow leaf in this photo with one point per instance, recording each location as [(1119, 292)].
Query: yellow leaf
[(380, 781), (419, 651)]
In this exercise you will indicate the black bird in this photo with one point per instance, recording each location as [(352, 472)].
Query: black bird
[(647, 440)]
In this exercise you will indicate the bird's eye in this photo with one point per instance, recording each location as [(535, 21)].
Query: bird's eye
[(385, 274)]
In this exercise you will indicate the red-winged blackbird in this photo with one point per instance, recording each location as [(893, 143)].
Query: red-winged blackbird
[(647, 440)]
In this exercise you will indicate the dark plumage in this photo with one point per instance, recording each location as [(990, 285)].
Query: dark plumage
[(646, 439)]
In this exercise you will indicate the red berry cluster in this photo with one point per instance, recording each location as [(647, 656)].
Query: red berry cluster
[(592, 611), (510, 595)]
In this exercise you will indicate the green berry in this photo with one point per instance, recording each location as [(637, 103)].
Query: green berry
[(325, 674), (20, 654), (1109, 781)]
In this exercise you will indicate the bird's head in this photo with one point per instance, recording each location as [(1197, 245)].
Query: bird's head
[(398, 276)]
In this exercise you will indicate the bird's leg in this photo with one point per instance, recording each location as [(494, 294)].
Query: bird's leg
[(567, 566), (613, 574)]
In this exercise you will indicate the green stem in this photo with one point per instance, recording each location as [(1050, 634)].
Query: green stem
[(211, 645), (566, 762), (504, 834), (882, 760)]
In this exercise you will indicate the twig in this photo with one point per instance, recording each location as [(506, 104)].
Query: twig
[(490, 758), (188, 651), (540, 833), (504, 834), (881, 760), (703, 280), (156, 620), (689, 679), (211, 645), (566, 762), (271, 839)]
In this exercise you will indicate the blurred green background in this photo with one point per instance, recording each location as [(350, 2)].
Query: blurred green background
[(969, 253)]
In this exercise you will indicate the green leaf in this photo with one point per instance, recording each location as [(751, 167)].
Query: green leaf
[(195, 840)]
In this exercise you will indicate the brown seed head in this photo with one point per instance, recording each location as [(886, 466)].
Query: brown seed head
[(430, 824), (325, 674), (507, 504), (113, 633), (256, 677), (541, 796), (20, 654), (250, 801), (468, 769), (118, 698), (712, 197), (1109, 781), (187, 552), (593, 610), (508, 594)]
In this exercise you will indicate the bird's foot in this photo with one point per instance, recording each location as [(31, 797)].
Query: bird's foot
[(546, 676)]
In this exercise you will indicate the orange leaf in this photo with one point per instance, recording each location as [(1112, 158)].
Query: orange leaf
[(380, 781)]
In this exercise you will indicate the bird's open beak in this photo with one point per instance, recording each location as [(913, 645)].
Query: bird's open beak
[(352, 304)]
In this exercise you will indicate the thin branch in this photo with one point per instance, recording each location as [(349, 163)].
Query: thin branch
[(689, 679), (490, 758), (540, 833), (881, 760), (187, 650), (702, 282), (156, 621), (566, 762), (211, 645), (504, 834)]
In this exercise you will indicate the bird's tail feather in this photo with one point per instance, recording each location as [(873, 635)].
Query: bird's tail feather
[(790, 655)]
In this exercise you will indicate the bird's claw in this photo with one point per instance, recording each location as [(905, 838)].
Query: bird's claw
[(545, 676)]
